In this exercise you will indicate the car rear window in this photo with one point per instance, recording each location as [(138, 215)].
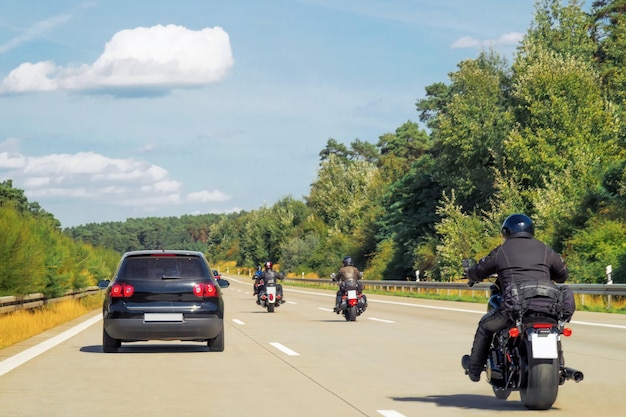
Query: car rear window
[(157, 267)]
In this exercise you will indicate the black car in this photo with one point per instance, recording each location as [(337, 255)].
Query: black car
[(163, 295)]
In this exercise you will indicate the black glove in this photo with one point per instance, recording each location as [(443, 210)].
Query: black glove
[(471, 283)]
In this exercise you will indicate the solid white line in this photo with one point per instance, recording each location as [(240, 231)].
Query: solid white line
[(23, 357), (238, 321), (384, 321), (586, 323), (284, 349), (390, 413)]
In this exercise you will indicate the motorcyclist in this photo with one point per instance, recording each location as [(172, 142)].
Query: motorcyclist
[(520, 259), (269, 273), (257, 276), (347, 272)]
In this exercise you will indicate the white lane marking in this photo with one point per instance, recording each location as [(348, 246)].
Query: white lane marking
[(238, 321), (384, 321), (390, 413), (284, 349), (325, 309), (23, 357), (586, 323)]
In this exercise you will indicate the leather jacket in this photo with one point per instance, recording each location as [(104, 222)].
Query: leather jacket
[(347, 273), (520, 260)]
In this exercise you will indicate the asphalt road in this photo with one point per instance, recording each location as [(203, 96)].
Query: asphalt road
[(401, 358)]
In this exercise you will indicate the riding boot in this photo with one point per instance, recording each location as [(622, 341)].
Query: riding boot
[(492, 322), (475, 364)]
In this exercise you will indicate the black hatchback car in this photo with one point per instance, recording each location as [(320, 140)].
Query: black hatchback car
[(163, 295)]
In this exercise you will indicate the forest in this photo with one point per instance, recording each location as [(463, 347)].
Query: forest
[(542, 135)]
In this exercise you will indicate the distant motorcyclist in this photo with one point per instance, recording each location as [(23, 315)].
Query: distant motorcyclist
[(257, 277), (521, 259), (347, 272), (266, 275)]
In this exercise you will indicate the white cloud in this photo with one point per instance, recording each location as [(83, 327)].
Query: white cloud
[(507, 39), (90, 176), (158, 57), (208, 197)]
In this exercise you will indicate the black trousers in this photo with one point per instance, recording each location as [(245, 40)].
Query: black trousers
[(490, 323)]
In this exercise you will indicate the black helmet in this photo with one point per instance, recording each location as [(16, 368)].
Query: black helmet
[(517, 223), (347, 261)]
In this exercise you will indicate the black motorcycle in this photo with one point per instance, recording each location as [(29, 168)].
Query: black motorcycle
[(526, 356), (353, 303), (269, 296)]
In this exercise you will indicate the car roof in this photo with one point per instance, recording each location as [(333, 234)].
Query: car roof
[(164, 252)]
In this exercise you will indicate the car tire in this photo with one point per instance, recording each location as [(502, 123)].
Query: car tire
[(109, 344), (217, 343)]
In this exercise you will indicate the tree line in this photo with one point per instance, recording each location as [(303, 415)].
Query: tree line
[(37, 257), (543, 135)]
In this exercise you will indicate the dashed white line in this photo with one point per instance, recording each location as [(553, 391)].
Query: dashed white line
[(384, 321), (390, 413), (284, 349), (238, 321)]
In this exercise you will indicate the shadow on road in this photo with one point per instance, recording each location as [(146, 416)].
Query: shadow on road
[(469, 401), (152, 348)]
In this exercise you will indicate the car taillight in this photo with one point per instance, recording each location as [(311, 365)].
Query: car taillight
[(122, 290), (204, 290)]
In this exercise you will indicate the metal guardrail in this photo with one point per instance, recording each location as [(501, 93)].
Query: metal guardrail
[(11, 303), (590, 289), (585, 293)]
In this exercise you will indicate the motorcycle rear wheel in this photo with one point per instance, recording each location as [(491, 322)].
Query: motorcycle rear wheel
[(542, 384), (270, 308), (351, 313)]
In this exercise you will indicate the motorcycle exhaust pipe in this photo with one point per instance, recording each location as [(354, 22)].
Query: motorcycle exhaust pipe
[(570, 373)]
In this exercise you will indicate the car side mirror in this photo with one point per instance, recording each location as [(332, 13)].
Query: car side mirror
[(103, 284)]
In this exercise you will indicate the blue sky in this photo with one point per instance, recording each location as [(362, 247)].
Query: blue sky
[(117, 109)]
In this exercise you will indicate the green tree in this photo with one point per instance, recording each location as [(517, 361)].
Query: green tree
[(467, 141), (339, 193)]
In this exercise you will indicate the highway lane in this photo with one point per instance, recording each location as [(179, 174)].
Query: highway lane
[(401, 358)]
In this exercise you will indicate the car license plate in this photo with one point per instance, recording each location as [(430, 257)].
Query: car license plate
[(544, 345), (169, 317)]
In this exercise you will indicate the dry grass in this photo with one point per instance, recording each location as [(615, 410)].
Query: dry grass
[(23, 324)]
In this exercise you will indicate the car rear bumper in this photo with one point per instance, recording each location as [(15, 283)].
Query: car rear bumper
[(133, 329)]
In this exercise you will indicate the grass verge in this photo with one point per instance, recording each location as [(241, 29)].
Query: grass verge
[(23, 324)]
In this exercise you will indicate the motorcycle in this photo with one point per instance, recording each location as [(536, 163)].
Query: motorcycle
[(268, 296), (353, 303), (526, 356)]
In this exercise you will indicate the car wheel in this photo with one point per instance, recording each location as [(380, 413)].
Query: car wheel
[(109, 344), (217, 343)]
